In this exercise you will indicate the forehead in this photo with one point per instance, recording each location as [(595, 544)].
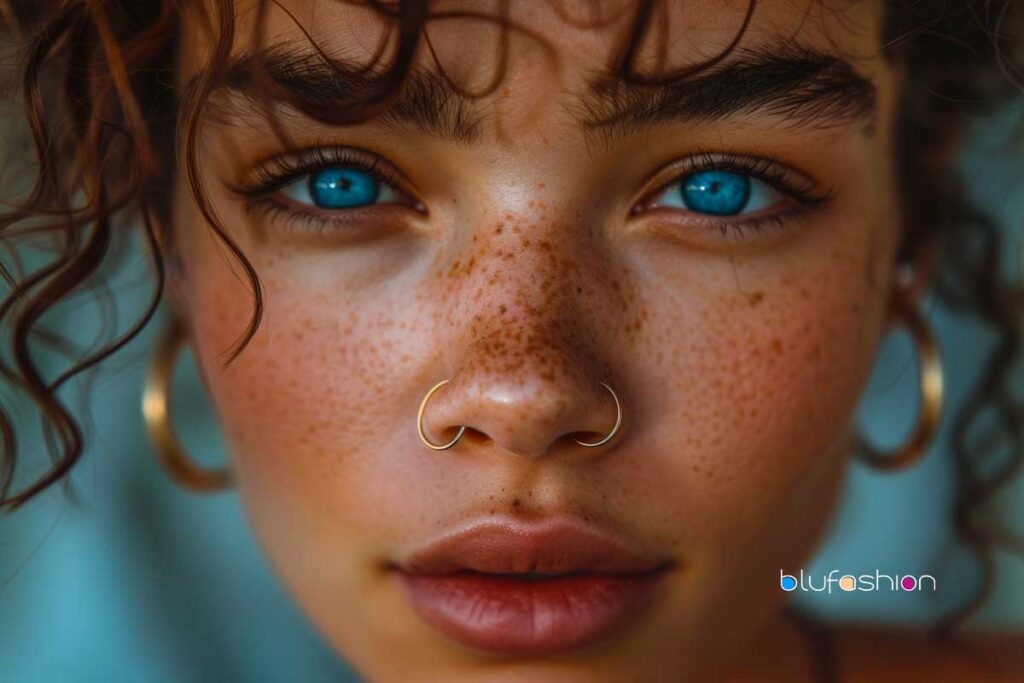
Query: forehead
[(538, 45)]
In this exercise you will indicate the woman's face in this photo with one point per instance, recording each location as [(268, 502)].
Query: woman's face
[(718, 252)]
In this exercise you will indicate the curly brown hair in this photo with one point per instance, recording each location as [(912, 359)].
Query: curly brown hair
[(106, 120)]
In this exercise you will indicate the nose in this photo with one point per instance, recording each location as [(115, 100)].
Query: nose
[(529, 371)]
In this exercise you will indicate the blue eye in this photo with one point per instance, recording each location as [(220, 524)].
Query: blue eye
[(340, 187), (718, 193)]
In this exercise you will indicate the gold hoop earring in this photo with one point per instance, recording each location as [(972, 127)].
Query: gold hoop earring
[(615, 428), (156, 409), (419, 422), (931, 392)]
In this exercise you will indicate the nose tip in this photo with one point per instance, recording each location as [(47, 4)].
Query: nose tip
[(526, 417)]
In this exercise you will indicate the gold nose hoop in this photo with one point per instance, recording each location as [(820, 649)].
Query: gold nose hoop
[(615, 429), (419, 422)]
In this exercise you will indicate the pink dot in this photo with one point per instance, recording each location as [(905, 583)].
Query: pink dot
[(908, 583)]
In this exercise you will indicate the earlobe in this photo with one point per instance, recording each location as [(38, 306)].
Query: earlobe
[(174, 293), (175, 288), (915, 277)]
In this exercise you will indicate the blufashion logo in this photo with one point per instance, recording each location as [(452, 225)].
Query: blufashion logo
[(863, 582)]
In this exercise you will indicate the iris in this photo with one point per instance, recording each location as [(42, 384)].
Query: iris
[(343, 188), (718, 192)]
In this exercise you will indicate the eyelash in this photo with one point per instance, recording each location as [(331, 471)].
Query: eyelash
[(280, 172), (767, 170)]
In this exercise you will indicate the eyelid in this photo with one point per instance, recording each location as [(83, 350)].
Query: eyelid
[(781, 177), (278, 172)]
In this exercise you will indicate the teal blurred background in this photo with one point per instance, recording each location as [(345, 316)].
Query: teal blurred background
[(136, 580)]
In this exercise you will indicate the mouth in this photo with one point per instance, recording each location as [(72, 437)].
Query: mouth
[(510, 588)]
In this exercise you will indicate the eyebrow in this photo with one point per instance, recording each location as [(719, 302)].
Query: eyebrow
[(426, 100), (803, 87)]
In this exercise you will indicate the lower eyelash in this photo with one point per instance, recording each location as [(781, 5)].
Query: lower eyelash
[(778, 221), (273, 210), (754, 225)]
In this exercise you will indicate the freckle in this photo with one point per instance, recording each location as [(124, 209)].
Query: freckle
[(541, 186), (515, 502), (530, 203), (777, 345), (497, 230), (755, 298)]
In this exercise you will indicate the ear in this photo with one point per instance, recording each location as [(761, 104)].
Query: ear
[(918, 275), (175, 291), (918, 271)]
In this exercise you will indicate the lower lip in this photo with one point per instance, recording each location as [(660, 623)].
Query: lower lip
[(514, 616)]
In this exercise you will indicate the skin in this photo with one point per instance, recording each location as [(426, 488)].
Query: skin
[(527, 281)]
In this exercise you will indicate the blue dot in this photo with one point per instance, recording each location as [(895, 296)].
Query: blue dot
[(723, 193), (788, 583), (343, 188)]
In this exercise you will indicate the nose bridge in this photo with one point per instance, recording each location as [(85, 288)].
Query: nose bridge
[(529, 306), (528, 370), (527, 327)]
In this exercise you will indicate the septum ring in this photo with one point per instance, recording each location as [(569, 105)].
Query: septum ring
[(462, 428)]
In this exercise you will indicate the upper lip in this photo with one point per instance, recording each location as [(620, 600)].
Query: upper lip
[(556, 545)]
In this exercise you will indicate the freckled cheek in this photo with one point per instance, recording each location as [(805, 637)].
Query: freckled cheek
[(761, 390), (319, 375)]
